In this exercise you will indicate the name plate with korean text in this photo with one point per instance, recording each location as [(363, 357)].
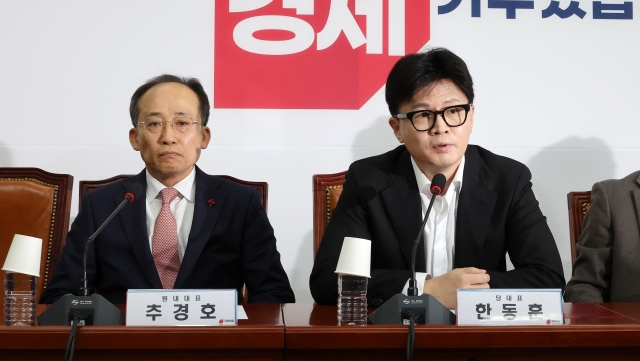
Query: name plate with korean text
[(505, 307), (181, 307)]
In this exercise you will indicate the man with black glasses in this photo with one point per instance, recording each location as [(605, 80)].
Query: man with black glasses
[(188, 230), (487, 208)]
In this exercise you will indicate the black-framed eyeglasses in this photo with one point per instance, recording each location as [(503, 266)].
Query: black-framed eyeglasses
[(154, 124), (425, 120)]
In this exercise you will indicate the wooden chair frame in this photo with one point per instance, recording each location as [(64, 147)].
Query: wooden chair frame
[(322, 186), (579, 203), (85, 186)]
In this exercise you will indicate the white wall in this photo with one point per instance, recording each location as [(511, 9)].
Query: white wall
[(559, 95)]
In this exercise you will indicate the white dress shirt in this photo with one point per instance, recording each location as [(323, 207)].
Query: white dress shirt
[(182, 207), (440, 231)]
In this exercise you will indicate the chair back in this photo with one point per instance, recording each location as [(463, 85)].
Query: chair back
[(86, 186), (327, 189), (579, 203), (35, 203), (262, 187)]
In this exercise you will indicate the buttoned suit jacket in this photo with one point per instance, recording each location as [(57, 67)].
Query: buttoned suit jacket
[(607, 267), (230, 243), (497, 213)]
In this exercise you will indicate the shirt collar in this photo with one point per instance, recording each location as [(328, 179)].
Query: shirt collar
[(423, 181), (184, 187)]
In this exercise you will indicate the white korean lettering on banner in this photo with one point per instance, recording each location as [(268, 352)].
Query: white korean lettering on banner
[(303, 7), (340, 20), (243, 35), (237, 6), (396, 27)]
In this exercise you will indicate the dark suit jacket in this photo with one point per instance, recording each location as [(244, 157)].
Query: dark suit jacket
[(497, 213), (230, 243), (607, 267)]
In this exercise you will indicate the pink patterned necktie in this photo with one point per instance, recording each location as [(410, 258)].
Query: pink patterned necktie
[(165, 241)]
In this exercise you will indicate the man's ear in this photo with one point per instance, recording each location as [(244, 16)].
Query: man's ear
[(394, 123), (206, 137), (133, 139)]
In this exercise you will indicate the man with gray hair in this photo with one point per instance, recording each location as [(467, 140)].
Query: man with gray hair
[(190, 230)]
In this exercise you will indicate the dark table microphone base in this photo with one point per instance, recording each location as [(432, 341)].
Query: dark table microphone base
[(427, 309), (94, 309)]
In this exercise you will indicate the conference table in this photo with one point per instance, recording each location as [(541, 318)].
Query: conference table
[(590, 332), (607, 331), (261, 337)]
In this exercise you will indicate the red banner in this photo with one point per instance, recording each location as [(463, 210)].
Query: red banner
[(306, 54)]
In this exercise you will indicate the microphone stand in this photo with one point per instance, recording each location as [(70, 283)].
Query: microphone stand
[(85, 309), (93, 309), (128, 198), (413, 309), (401, 309), (413, 283)]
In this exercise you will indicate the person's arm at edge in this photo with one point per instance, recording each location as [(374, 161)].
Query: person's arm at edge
[(266, 280), (592, 268), (530, 244)]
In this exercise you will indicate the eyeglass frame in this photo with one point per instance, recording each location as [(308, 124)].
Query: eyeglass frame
[(164, 122), (409, 116)]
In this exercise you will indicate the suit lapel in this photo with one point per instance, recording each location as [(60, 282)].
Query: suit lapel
[(475, 209), (134, 220), (205, 218), (403, 205)]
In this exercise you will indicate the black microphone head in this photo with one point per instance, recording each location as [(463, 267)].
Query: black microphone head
[(133, 191), (438, 183)]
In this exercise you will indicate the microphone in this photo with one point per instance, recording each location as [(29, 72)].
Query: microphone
[(85, 309), (401, 309), (437, 185), (134, 191)]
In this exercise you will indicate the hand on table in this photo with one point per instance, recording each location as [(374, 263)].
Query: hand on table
[(444, 288)]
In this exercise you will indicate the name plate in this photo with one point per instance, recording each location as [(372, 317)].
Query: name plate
[(181, 308), (505, 307)]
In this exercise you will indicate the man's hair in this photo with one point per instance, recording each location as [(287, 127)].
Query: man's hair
[(415, 72), (192, 83)]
